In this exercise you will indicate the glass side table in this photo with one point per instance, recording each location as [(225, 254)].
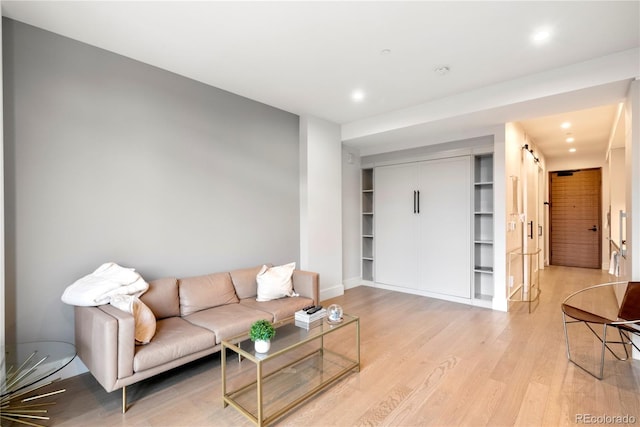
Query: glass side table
[(23, 369)]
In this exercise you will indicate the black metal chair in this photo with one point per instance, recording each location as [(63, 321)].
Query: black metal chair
[(627, 322)]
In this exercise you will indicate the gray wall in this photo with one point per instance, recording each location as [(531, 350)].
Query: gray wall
[(109, 159)]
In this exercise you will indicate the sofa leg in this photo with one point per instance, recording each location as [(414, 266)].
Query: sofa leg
[(124, 399)]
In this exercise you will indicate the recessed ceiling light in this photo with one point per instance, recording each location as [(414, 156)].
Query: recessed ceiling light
[(572, 150), (565, 125), (443, 70), (570, 139), (357, 95), (541, 35)]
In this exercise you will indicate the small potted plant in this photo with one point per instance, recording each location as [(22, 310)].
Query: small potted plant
[(261, 333)]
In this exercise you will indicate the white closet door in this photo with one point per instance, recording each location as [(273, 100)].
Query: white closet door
[(396, 225), (445, 226)]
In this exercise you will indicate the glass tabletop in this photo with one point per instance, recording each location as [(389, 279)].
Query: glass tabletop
[(25, 364), (288, 333), (602, 300)]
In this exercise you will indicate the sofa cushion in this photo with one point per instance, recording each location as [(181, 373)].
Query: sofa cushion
[(244, 281), (175, 338), (227, 321), (275, 282), (203, 292), (279, 308), (162, 297)]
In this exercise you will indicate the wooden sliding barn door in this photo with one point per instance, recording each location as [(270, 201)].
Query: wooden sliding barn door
[(575, 218)]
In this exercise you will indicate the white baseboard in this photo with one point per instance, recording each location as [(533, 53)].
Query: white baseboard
[(495, 304), (332, 292), (354, 282)]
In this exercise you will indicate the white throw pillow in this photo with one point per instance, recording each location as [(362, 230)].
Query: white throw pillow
[(275, 282)]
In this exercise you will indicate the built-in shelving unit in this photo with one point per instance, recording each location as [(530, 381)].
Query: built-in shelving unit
[(483, 282), (367, 225)]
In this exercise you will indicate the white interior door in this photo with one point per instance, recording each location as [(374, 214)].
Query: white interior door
[(396, 225), (445, 226)]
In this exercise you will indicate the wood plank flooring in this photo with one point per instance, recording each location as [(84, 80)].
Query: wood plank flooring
[(424, 362)]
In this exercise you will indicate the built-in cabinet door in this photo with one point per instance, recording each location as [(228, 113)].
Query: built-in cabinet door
[(445, 226), (396, 225), (423, 226)]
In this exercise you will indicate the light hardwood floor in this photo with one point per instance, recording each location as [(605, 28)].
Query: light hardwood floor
[(424, 362)]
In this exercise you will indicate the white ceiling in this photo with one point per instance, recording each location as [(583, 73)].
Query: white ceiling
[(590, 129), (308, 57)]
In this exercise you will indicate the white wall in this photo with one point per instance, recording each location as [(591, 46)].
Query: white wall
[(500, 218), (576, 162), (514, 140), (632, 160), (517, 163), (321, 203), (351, 227), (632, 156), (2, 274), (617, 191)]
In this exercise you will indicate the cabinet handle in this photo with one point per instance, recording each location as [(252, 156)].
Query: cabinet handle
[(418, 201), (531, 229)]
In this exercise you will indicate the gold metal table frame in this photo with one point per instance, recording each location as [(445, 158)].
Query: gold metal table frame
[(299, 364)]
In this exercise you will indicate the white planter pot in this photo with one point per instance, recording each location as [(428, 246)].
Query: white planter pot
[(262, 346)]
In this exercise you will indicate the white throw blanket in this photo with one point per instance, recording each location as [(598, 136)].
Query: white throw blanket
[(107, 281)]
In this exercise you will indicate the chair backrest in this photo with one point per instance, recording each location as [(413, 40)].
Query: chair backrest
[(630, 307)]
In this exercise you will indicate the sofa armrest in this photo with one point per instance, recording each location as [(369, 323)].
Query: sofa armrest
[(306, 284), (104, 339)]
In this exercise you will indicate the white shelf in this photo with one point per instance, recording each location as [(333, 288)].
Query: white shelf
[(483, 278), (367, 247)]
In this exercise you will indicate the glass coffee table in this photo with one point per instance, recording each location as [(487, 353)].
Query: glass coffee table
[(300, 363)]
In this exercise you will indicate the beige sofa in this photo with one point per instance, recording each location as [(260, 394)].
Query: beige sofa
[(193, 316)]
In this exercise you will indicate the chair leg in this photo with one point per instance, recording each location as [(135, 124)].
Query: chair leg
[(624, 335), (124, 399), (630, 337), (566, 335), (604, 346), (625, 340)]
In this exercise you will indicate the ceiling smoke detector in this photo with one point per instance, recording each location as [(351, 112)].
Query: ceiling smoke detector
[(442, 71)]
